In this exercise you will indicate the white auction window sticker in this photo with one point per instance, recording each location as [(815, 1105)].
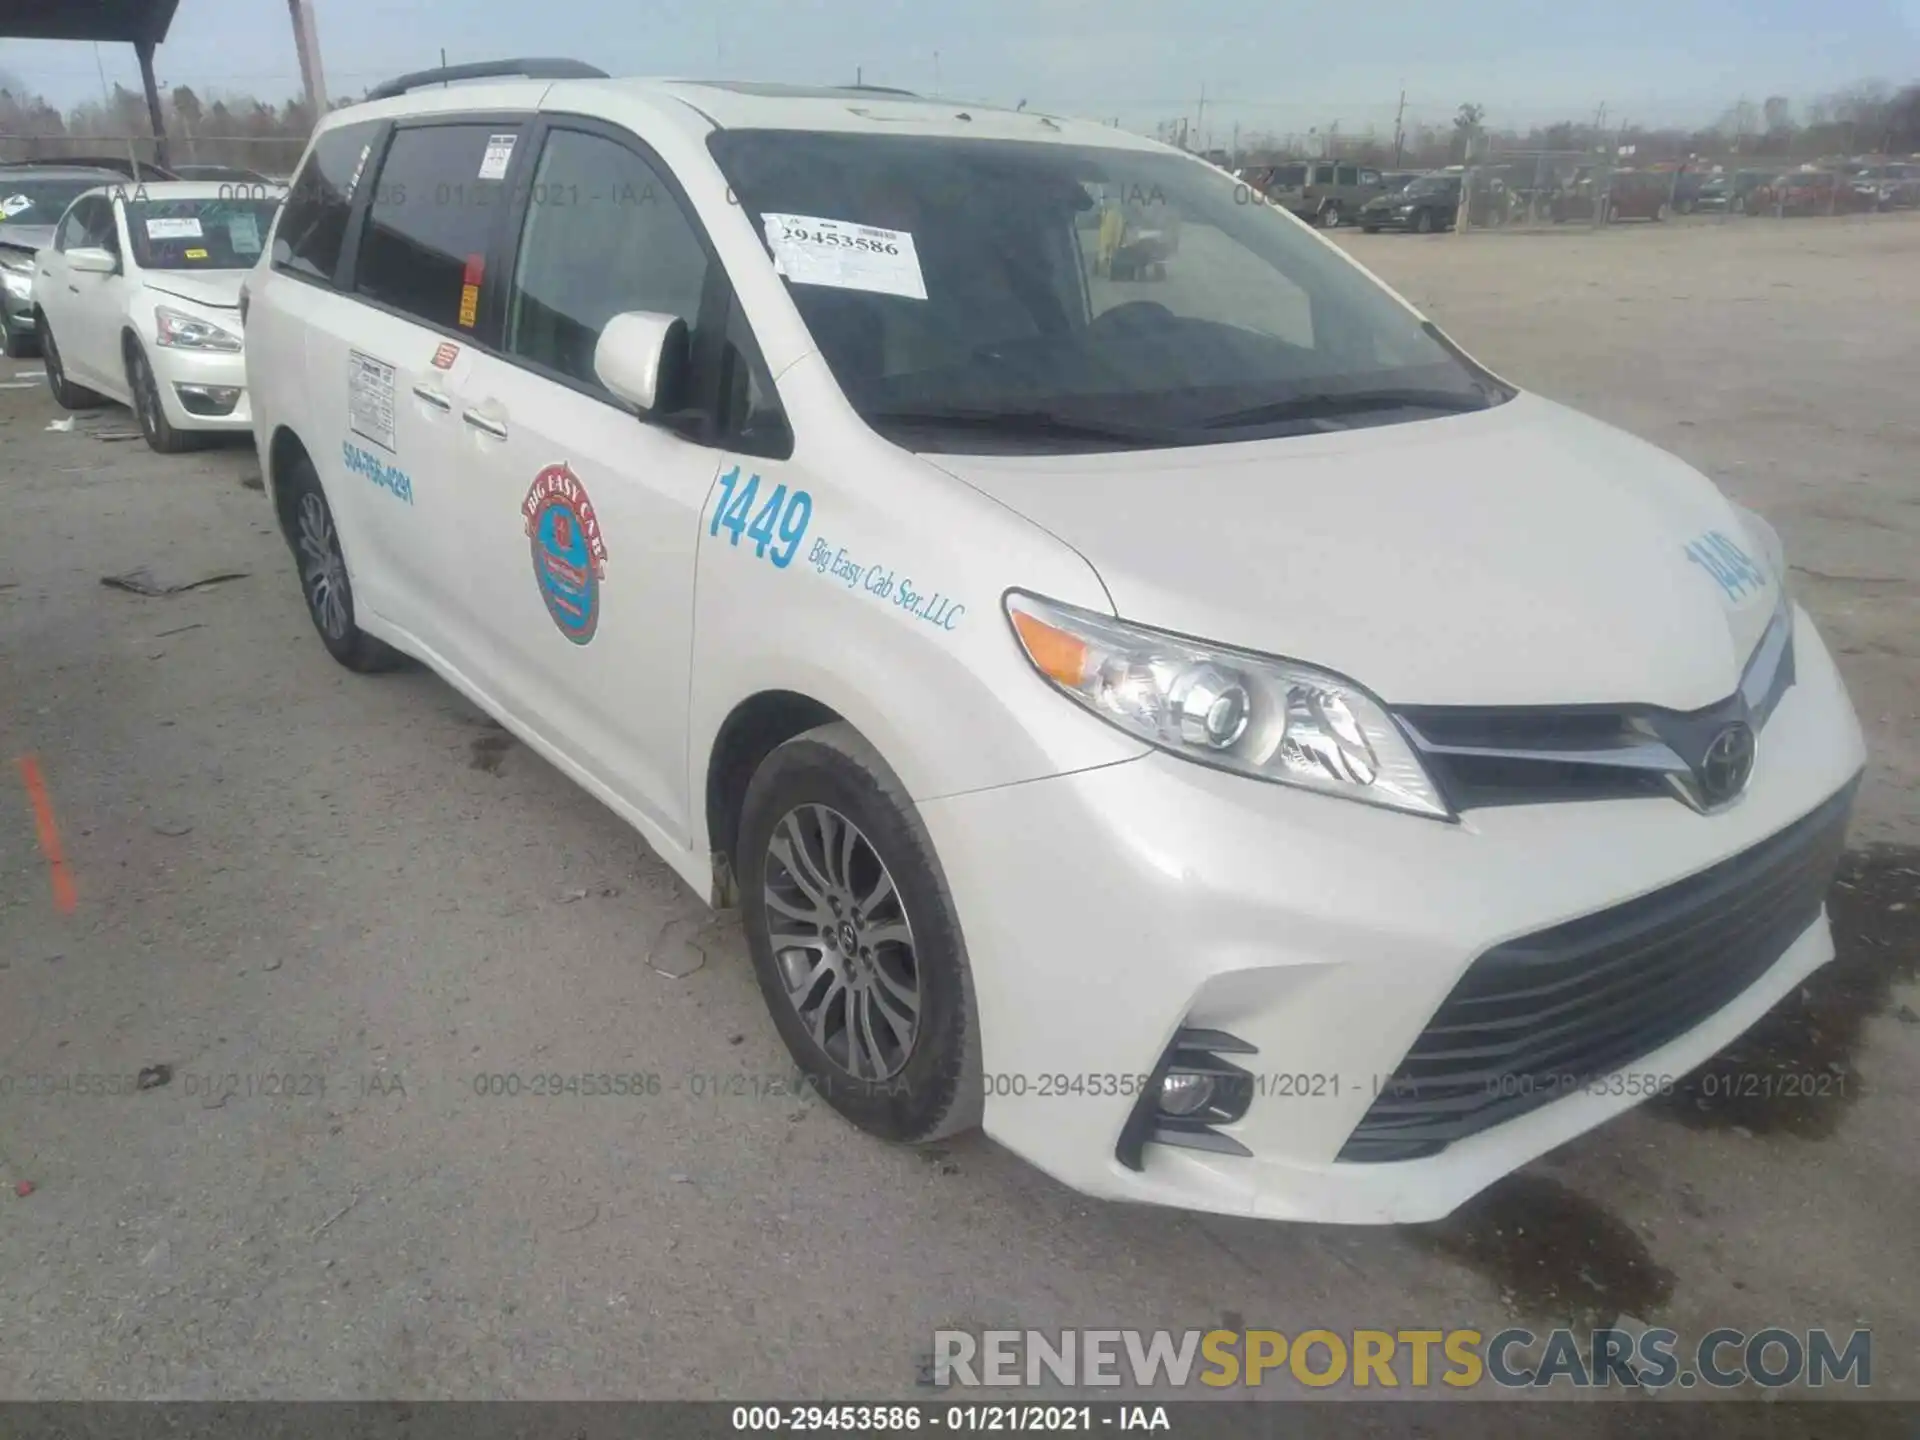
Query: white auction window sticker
[(370, 398), (493, 166), (178, 228), (243, 232), (810, 250)]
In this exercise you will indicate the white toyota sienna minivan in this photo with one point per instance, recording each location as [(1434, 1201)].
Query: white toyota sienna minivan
[(1148, 690)]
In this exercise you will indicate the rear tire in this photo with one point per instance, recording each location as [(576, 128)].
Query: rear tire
[(871, 990), (323, 576), (162, 438), (1330, 215), (66, 394)]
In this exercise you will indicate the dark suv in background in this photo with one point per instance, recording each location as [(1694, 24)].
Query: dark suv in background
[(1426, 204)]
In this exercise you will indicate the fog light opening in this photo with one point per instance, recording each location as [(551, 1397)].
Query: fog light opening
[(1184, 1093), (208, 399), (1192, 1090)]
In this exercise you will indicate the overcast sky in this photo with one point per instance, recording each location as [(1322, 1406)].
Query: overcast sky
[(1280, 67)]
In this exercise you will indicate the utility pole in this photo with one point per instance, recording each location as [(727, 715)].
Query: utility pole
[(936, 74), (1399, 129), (1200, 121), (306, 44)]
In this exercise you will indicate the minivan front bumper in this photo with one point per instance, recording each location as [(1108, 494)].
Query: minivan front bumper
[(1108, 911)]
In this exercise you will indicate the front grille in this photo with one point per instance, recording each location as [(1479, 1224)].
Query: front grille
[(1530, 755), (1539, 1017)]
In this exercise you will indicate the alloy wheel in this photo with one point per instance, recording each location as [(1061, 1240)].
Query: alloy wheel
[(323, 571), (842, 942)]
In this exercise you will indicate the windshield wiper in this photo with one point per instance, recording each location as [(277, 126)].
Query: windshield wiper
[(1354, 402), (1029, 422)]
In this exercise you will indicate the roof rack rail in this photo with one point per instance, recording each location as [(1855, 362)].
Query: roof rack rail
[(532, 69)]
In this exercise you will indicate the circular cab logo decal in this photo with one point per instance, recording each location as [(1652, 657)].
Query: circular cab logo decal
[(569, 555)]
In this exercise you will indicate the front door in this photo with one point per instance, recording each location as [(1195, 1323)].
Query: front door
[(581, 520), (88, 304)]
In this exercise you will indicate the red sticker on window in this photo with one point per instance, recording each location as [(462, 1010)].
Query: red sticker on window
[(476, 267)]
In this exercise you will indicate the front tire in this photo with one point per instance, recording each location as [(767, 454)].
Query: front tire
[(66, 394), (323, 576), (13, 344), (152, 415), (1423, 222), (1330, 215), (855, 941)]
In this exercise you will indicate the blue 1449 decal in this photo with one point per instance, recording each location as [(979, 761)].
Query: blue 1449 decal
[(774, 527)]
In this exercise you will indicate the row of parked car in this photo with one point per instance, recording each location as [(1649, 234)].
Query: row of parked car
[(126, 279), (1334, 193)]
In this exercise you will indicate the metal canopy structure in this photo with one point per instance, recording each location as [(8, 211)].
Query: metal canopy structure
[(142, 24)]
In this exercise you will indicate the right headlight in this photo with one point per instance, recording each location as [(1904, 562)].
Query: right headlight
[(1251, 714)]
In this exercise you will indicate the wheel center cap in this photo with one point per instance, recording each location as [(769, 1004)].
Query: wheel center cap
[(848, 937)]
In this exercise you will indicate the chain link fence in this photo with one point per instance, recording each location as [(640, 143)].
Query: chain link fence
[(1542, 189), (264, 156)]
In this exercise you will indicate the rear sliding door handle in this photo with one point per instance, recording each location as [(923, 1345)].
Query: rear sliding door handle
[(496, 428)]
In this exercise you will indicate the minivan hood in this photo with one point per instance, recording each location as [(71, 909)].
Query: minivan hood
[(218, 288), (1521, 555)]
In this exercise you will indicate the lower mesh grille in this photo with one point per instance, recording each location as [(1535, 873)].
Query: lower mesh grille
[(1538, 1017)]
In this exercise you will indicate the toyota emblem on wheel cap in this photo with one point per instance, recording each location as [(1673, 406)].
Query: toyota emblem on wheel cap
[(1727, 765)]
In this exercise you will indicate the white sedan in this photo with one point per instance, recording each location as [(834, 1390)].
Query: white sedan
[(138, 300)]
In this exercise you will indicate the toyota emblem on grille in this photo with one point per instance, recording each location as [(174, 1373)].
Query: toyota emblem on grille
[(1727, 765)]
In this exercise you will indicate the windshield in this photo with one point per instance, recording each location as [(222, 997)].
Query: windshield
[(199, 234), (38, 202), (1430, 185), (1137, 292)]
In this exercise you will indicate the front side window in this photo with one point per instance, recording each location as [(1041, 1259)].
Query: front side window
[(603, 235), (425, 248), (101, 230), (314, 225), (198, 234), (986, 284), (72, 234)]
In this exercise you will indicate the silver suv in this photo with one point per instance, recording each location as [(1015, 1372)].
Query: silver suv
[(1327, 192)]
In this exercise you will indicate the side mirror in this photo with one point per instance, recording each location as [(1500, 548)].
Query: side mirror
[(92, 260), (644, 358)]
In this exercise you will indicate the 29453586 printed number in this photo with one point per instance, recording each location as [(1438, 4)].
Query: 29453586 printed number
[(775, 528)]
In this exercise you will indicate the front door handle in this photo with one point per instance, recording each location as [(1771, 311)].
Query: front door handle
[(433, 397), (485, 425)]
